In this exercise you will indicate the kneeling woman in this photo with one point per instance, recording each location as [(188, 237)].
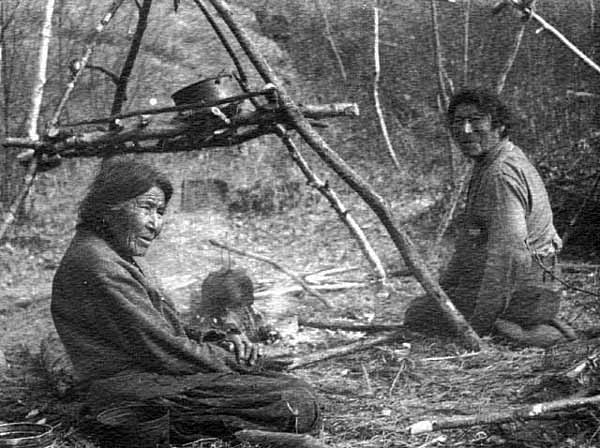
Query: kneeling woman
[(124, 336)]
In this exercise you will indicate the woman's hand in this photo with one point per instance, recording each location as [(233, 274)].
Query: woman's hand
[(244, 349)]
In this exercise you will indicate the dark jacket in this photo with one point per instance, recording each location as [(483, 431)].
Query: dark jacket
[(113, 319)]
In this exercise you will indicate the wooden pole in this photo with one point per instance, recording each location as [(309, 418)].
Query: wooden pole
[(335, 202), (360, 186), (342, 350), (95, 143), (34, 113), (529, 12), (217, 29), (313, 180), (136, 42), (38, 87)]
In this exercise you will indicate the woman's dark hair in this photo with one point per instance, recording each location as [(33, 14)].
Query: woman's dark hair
[(487, 102), (118, 180)]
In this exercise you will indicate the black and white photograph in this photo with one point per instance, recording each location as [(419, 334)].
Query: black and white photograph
[(299, 223)]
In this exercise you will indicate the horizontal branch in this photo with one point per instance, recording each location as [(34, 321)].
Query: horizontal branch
[(212, 132), (169, 109)]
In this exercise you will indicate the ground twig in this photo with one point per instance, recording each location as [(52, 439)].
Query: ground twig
[(529, 412), (323, 355), (345, 326)]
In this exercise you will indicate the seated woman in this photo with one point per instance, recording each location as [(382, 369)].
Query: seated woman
[(124, 335)]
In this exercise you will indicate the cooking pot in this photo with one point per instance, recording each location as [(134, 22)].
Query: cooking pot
[(134, 425), (26, 435), (208, 90)]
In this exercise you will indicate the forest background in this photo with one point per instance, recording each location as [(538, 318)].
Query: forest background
[(327, 62), (555, 127)]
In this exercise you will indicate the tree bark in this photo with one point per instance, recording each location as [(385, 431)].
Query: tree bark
[(38, 86), (295, 289), (359, 185)]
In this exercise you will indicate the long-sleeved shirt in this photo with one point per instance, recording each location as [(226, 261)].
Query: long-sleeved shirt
[(112, 319), (507, 218)]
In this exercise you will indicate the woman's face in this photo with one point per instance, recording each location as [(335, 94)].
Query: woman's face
[(138, 222)]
